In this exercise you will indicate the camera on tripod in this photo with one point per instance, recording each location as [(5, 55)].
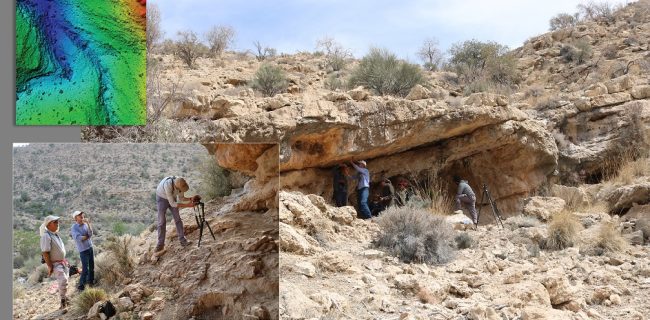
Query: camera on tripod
[(196, 200)]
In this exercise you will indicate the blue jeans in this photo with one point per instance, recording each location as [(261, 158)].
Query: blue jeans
[(87, 268), (362, 199)]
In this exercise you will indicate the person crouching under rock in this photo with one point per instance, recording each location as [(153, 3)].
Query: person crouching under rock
[(170, 194), (466, 196), (54, 255)]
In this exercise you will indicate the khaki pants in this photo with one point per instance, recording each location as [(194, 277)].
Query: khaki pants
[(61, 275)]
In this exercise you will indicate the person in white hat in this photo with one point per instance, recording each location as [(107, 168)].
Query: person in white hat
[(363, 189), (54, 255), (82, 232)]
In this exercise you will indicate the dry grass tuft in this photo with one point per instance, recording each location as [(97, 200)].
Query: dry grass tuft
[(562, 231), (115, 264), (425, 296), (87, 299), (610, 239)]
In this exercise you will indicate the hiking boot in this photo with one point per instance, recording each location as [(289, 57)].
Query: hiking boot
[(80, 289), (64, 303), (160, 248), (186, 243)]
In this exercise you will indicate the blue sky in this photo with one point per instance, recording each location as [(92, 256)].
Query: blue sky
[(400, 26)]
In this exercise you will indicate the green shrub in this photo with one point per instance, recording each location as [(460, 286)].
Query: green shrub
[(27, 245), (335, 82), (119, 228), (415, 235), (382, 72), (87, 299), (270, 80), (483, 65), (463, 241), (214, 179)]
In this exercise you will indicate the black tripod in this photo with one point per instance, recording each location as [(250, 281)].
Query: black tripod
[(493, 205), (199, 215)]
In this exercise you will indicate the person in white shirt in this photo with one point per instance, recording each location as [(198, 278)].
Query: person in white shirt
[(54, 255), (171, 194)]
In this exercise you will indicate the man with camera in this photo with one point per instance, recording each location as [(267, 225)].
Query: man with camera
[(54, 255), (170, 194), (81, 232)]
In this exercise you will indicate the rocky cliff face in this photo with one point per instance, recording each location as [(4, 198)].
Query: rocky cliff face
[(564, 124)]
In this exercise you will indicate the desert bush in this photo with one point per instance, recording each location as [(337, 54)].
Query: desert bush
[(430, 54), (38, 274), (486, 62), (562, 20), (335, 82), (219, 38), (562, 231), (431, 193), (154, 33), (522, 221), (596, 10), (415, 235), (270, 80), (188, 48), (382, 72), (578, 52), (336, 56), (463, 241), (610, 52), (214, 179), (87, 299), (262, 53)]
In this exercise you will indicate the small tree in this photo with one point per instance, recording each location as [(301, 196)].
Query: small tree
[(262, 52), (563, 20), (270, 80), (336, 56), (219, 38), (154, 33), (430, 54), (381, 71), (188, 47), (483, 64)]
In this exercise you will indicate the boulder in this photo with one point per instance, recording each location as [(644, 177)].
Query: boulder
[(543, 208), (641, 92), (292, 241), (619, 84), (359, 94), (418, 93), (622, 198)]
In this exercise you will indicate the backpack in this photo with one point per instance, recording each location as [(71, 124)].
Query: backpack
[(107, 308)]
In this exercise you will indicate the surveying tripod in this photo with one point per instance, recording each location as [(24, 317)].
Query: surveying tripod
[(199, 215), (493, 205)]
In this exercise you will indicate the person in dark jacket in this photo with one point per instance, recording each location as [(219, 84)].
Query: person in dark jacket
[(340, 185)]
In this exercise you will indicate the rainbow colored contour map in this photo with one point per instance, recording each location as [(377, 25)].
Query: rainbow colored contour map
[(80, 62)]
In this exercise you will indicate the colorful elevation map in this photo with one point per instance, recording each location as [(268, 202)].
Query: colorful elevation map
[(80, 62)]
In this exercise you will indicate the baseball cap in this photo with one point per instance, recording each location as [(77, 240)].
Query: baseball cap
[(76, 213)]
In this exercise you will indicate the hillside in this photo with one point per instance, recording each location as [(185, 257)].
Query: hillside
[(233, 276), (109, 181)]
